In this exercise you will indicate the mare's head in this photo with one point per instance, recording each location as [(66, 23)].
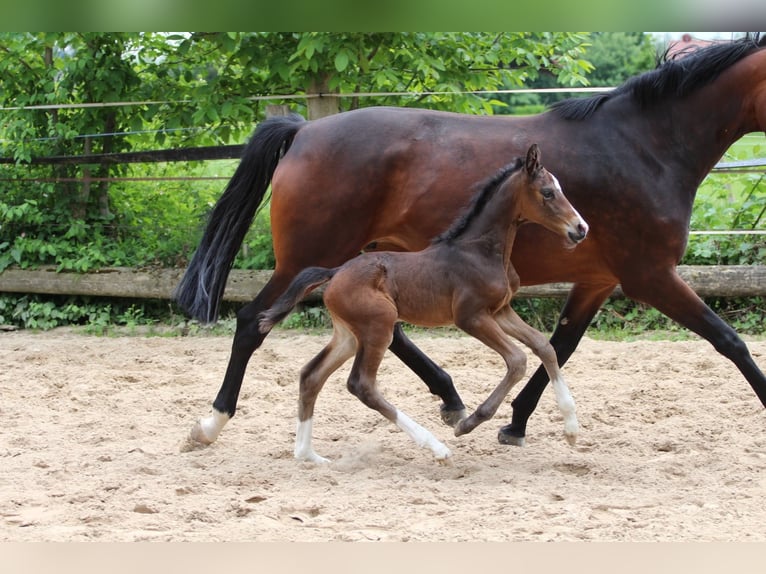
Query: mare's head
[(540, 200)]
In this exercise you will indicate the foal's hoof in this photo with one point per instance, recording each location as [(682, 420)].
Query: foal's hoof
[(312, 457), (442, 454), (452, 418), (506, 436), (465, 426)]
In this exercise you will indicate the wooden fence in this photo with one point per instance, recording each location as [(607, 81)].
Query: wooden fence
[(706, 280)]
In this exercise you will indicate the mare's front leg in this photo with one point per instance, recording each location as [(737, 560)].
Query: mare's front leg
[(438, 381), (483, 327), (515, 326), (580, 308), (668, 293)]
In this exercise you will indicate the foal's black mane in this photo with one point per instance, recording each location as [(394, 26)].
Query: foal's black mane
[(673, 77), (479, 200)]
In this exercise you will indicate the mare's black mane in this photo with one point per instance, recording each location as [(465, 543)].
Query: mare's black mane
[(674, 77), (479, 200)]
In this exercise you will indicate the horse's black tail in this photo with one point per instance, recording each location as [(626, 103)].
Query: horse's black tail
[(303, 283), (201, 289)]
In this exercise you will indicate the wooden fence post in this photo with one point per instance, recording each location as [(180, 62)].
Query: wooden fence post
[(321, 103), (277, 110)]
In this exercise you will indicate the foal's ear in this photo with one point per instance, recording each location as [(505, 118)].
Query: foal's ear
[(532, 163)]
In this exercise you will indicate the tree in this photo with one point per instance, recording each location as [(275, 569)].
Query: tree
[(194, 89), (614, 56), (67, 69), (449, 64)]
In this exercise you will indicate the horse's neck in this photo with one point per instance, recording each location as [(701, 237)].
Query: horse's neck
[(493, 230), (704, 125)]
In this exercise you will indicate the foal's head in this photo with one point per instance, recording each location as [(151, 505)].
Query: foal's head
[(540, 200)]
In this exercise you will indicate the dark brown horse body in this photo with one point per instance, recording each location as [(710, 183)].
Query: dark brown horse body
[(630, 162)]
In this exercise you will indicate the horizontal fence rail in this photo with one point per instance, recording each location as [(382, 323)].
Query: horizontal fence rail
[(234, 151), (243, 285)]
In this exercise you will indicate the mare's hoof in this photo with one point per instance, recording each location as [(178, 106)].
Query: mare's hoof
[(506, 437), (452, 418), (571, 438), (197, 439)]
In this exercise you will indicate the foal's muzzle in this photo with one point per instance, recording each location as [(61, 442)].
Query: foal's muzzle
[(578, 233)]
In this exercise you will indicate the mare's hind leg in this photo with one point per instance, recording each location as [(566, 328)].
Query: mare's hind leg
[(247, 338), (515, 326), (313, 377), (484, 327)]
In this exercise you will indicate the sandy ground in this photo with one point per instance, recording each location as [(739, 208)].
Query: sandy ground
[(672, 448)]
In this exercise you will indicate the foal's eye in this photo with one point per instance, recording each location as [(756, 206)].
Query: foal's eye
[(548, 194)]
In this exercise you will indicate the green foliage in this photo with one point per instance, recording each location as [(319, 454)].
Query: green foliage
[(612, 58), (202, 89), (158, 225), (46, 312), (415, 62), (730, 202), (310, 317), (257, 250), (616, 56), (193, 89)]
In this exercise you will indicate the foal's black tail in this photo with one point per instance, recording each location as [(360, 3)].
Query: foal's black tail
[(305, 282), (201, 289)]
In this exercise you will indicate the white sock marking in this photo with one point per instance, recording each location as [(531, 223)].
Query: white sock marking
[(303, 449), (212, 425), (421, 436), (566, 405)]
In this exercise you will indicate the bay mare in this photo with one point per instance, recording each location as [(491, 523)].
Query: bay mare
[(464, 277), (630, 161)]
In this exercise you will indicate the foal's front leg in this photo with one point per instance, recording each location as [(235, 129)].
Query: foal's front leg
[(515, 326), (483, 327)]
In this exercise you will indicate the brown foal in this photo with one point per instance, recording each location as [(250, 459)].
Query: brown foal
[(464, 277)]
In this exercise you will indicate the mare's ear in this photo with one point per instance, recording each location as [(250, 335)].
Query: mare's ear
[(532, 162)]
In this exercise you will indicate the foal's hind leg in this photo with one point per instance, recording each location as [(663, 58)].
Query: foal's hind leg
[(362, 384), (313, 377), (371, 315), (439, 382), (484, 327), (515, 326)]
